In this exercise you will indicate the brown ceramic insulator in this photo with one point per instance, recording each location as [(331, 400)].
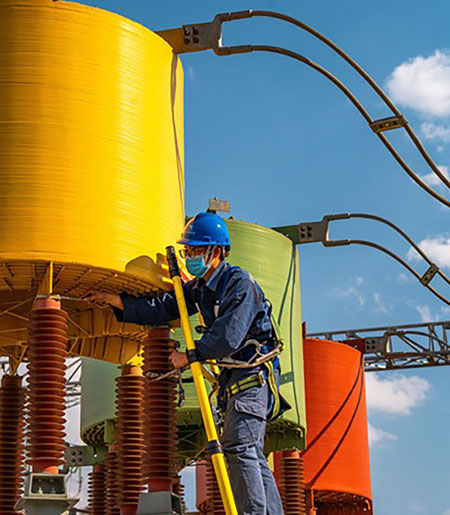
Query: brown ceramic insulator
[(160, 412), (97, 491), (47, 353), (293, 484), (213, 492), (178, 489), (130, 436), (112, 485), (12, 401)]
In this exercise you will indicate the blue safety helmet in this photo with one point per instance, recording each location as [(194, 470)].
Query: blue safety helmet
[(206, 229)]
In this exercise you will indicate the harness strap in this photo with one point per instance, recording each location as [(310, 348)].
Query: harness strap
[(244, 384), (273, 388), (258, 380)]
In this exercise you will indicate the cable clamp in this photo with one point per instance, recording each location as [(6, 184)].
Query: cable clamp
[(429, 274), (388, 124)]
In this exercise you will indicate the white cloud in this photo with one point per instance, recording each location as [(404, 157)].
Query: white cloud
[(380, 305), (404, 278), (437, 249), (416, 507), (446, 512), (350, 292), (423, 84), (397, 394), (425, 313), (433, 180), (379, 436), (435, 132), (190, 71)]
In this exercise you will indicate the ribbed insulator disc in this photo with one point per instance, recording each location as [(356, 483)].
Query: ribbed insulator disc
[(160, 413), (12, 400), (293, 484), (178, 489), (130, 436), (97, 491), (213, 492), (46, 417), (112, 483)]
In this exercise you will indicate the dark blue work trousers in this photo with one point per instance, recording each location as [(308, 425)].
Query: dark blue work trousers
[(252, 481)]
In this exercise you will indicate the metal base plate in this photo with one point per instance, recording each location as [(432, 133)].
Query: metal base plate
[(159, 503)]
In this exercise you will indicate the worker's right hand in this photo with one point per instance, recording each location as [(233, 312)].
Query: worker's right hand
[(103, 297)]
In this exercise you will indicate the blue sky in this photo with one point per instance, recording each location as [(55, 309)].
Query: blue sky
[(283, 145)]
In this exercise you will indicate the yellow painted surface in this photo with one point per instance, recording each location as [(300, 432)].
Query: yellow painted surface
[(91, 139), (91, 167)]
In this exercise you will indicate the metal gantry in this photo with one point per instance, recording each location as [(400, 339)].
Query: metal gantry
[(397, 347)]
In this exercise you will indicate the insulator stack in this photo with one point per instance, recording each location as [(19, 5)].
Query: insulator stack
[(130, 436), (47, 353), (292, 487), (213, 492), (12, 400), (178, 489), (112, 484), (97, 491), (160, 412)]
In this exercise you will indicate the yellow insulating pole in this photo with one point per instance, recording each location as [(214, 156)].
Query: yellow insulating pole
[(214, 448), (214, 367)]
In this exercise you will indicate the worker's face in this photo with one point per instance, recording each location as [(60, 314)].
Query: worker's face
[(195, 251), (208, 252)]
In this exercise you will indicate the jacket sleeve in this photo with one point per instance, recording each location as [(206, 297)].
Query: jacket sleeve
[(238, 310), (154, 311)]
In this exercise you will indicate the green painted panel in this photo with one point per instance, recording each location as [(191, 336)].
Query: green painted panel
[(272, 259), (98, 397)]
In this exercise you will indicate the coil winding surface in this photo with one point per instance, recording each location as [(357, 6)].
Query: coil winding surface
[(91, 162), (91, 142), (337, 454)]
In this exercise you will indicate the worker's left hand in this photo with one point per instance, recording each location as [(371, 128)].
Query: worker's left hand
[(178, 359)]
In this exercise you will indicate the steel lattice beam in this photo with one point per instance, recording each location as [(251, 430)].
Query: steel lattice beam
[(397, 347)]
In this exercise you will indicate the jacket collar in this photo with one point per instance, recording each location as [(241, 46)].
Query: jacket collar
[(213, 281)]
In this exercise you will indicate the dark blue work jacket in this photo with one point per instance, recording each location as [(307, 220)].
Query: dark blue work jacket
[(243, 313)]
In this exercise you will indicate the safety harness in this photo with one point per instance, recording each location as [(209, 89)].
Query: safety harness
[(253, 353)]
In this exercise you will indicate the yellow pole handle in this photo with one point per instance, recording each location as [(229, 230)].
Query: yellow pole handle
[(217, 457)]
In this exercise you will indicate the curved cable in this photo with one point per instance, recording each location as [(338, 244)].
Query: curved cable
[(378, 90), (294, 55), (397, 229), (392, 255)]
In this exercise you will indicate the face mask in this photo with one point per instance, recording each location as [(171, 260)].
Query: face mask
[(196, 266)]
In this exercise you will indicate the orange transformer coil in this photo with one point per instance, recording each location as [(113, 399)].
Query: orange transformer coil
[(336, 459)]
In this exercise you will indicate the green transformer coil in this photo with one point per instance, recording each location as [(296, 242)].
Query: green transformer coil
[(272, 260)]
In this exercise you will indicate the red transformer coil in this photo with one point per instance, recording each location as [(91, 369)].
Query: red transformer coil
[(336, 458)]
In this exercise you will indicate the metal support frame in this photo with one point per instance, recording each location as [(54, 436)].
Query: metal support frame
[(45, 494), (312, 232), (208, 36), (397, 347)]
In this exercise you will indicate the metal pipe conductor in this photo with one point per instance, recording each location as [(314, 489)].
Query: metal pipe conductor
[(214, 448)]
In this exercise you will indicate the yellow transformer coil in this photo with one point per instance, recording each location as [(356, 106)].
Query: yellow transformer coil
[(91, 156)]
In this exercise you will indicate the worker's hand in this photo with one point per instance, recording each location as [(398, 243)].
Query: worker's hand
[(103, 297), (178, 359)]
